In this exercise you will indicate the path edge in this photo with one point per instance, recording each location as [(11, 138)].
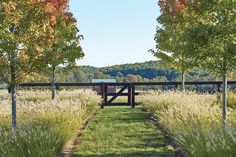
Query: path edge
[(177, 149), (71, 145)]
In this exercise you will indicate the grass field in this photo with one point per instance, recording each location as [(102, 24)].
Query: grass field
[(43, 126), (194, 120), (122, 132)]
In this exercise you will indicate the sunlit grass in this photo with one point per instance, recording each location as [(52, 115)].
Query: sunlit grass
[(122, 132), (195, 122), (44, 126)]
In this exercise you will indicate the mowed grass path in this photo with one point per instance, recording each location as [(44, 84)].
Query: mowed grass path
[(122, 132)]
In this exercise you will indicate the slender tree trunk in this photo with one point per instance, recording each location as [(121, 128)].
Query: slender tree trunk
[(53, 83), (224, 102), (13, 102), (183, 81), (13, 95)]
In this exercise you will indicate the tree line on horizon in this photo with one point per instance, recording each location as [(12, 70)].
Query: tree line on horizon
[(150, 71)]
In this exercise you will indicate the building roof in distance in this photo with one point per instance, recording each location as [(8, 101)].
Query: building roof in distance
[(103, 80)]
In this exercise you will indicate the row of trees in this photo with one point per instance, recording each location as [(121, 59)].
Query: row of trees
[(146, 71), (36, 36), (198, 33), (83, 74)]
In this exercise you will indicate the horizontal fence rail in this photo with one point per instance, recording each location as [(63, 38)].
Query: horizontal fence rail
[(121, 84), (179, 83), (126, 86)]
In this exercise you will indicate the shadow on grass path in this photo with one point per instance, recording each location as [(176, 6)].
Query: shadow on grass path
[(122, 132)]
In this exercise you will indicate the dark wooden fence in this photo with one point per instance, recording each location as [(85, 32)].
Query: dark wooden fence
[(129, 87)]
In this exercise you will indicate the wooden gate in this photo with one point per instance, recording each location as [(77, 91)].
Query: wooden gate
[(109, 98)]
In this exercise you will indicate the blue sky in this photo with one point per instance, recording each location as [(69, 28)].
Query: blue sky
[(116, 31)]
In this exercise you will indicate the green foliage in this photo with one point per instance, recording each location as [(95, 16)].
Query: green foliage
[(24, 33), (171, 46), (145, 72), (100, 75), (202, 33), (212, 35), (66, 50)]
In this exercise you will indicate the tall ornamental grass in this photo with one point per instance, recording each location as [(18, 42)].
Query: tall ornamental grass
[(194, 120), (44, 126)]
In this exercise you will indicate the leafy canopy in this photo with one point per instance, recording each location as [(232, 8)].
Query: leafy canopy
[(26, 30), (171, 46)]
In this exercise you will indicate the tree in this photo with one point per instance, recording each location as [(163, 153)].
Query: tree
[(212, 38), (131, 78), (25, 32), (119, 74), (66, 50), (101, 75), (171, 46), (159, 79), (80, 76)]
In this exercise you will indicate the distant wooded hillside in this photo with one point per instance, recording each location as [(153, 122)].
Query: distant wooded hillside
[(147, 71)]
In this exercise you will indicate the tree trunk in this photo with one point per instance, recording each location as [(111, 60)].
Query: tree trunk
[(183, 81), (224, 102), (13, 102), (13, 95), (53, 83)]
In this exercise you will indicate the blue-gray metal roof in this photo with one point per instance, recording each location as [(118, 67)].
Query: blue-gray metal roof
[(103, 80)]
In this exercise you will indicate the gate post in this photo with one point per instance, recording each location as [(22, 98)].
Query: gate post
[(105, 91), (218, 87), (130, 94), (133, 94), (176, 86), (103, 94), (57, 87), (218, 92)]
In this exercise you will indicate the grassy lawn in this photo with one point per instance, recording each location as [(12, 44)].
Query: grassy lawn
[(122, 132)]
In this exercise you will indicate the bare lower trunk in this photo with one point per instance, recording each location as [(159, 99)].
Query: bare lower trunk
[(13, 96), (53, 84), (13, 102), (224, 102)]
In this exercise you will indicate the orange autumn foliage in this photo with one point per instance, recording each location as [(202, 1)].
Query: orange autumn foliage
[(173, 6), (54, 8)]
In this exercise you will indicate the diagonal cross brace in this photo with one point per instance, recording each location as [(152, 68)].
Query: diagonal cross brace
[(117, 94)]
